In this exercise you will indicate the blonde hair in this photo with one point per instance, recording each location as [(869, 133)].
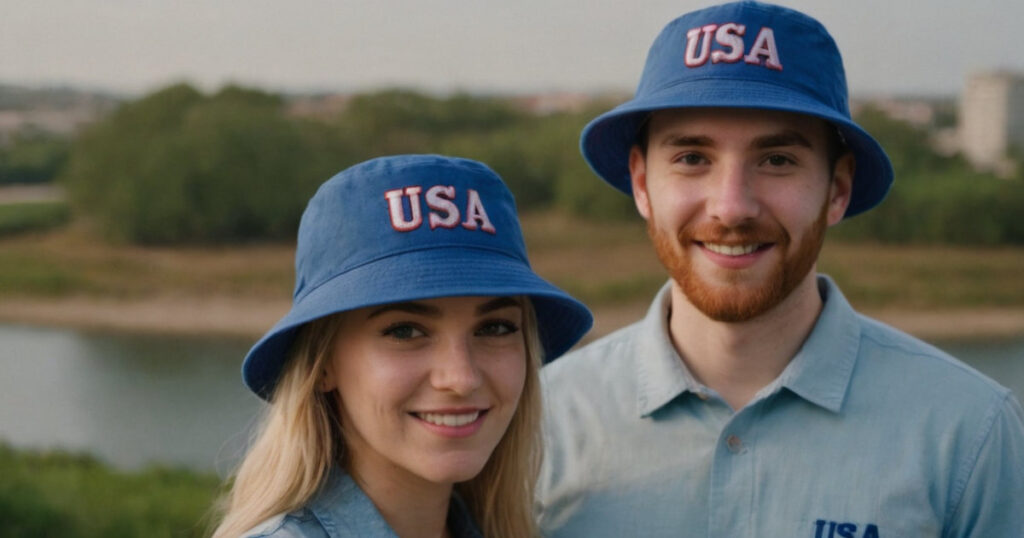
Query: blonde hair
[(299, 440)]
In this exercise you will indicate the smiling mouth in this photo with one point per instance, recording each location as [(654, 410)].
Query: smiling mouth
[(735, 250), (450, 419)]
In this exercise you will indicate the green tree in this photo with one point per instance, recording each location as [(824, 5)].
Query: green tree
[(33, 157), (935, 198), (180, 167)]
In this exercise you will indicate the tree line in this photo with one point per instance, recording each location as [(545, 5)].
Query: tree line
[(179, 166)]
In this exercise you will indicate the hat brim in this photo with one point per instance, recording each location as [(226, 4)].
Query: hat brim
[(606, 141), (429, 273)]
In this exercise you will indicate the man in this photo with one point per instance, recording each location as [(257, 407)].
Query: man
[(752, 401)]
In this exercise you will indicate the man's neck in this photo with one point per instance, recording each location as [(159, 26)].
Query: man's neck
[(738, 359)]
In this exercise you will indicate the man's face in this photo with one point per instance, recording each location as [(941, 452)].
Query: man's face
[(737, 202)]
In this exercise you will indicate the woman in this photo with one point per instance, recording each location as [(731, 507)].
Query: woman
[(403, 386)]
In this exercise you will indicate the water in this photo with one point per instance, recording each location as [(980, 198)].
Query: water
[(129, 399), (134, 400)]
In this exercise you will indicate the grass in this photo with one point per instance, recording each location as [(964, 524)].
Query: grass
[(72, 261), (32, 216), (606, 264), (45, 494), (923, 278)]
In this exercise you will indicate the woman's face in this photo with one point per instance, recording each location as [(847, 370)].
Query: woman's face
[(427, 388)]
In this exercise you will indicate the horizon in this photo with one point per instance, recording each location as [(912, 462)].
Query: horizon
[(319, 46)]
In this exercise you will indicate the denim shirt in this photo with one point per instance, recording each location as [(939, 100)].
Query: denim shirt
[(342, 510), (867, 432)]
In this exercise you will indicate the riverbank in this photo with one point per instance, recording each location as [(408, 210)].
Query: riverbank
[(247, 318), (69, 277)]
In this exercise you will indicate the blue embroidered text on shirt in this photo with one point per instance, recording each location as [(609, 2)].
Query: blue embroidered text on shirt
[(834, 529)]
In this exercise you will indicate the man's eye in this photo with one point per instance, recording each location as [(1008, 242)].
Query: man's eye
[(497, 328), (402, 331), (778, 160), (692, 159)]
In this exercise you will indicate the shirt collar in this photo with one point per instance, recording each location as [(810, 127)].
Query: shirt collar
[(344, 510), (820, 372), (661, 374)]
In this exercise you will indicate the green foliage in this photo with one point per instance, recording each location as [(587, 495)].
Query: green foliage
[(31, 216), (179, 167), (75, 496), (33, 158), (935, 199)]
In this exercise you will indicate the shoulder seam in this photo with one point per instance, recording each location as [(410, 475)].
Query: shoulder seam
[(935, 353), (967, 466)]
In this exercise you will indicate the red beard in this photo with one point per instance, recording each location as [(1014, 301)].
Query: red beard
[(739, 299)]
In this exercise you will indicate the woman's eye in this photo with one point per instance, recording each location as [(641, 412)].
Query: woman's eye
[(497, 328), (403, 331)]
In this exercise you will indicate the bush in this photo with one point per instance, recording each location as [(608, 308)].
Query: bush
[(33, 158), (31, 216), (178, 167), (181, 167), (75, 496), (935, 199)]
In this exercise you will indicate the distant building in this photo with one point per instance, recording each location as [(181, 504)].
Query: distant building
[(51, 111), (992, 120), (919, 112)]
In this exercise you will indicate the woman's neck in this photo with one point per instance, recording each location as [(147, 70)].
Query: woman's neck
[(413, 507)]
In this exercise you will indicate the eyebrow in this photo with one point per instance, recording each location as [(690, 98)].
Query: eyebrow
[(787, 137), (498, 304), (674, 140), (409, 308), (421, 309)]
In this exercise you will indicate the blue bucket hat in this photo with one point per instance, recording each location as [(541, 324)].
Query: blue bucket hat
[(406, 228), (740, 55)]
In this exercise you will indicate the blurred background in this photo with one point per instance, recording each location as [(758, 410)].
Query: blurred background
[(155, 157)]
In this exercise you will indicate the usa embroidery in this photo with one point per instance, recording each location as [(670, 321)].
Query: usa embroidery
[(835, 529), (442, 211), (730, 47)]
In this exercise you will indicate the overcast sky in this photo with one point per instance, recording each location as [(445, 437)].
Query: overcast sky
[(133, 46)]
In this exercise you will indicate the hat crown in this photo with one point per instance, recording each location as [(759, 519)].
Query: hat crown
[(394, 205), (752, 42)]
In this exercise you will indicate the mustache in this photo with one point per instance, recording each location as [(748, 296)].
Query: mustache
[(745, 233)]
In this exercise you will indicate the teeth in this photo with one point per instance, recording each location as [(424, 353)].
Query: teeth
[(731, 250), (449, 420)]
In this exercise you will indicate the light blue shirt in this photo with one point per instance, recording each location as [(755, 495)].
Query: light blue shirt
[(867, 432), (342, 510)]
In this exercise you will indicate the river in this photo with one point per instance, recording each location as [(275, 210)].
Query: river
[(133, 400)]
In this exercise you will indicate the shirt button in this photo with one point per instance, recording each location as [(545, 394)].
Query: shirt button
[(734, 443), (702, 395)]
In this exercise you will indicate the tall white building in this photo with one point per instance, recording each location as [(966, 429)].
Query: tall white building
[(992, 120)]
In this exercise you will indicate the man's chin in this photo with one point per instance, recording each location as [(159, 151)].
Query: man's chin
[(732, 303)]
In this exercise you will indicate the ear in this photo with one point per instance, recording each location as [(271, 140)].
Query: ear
[(325, 378), (638, 180), (841, 188)]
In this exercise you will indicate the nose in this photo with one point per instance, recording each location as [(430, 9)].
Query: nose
[(455, 369), (731, 199)]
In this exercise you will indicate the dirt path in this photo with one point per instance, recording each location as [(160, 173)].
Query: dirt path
[(30, 193)]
